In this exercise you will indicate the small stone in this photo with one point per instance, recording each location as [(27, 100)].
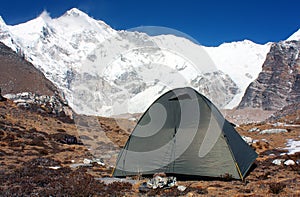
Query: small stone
[(253, 129), (54, 167), (24, 105), (277, 161), (87, 161), (143, 188), (99, 162), (248, 140), (160, 182), (181, 188), (161, 174), (289, 162)]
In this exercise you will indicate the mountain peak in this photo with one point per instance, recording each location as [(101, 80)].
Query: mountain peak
[(75, 12), (45, 16), (295, 36), (2, 22)]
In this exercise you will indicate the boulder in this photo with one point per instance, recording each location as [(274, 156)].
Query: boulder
[(160, 182)]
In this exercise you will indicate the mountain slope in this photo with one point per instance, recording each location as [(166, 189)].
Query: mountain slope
[(294, 36), (18, 75), (242, 61), (130, 70), (55, 46), (116, 67)]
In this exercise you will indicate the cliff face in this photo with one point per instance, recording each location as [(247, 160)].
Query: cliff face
[(278, 84)]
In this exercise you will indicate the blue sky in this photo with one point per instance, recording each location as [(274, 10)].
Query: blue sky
[(210, 22)]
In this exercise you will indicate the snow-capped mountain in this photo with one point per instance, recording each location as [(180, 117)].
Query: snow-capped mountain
[(102, 70), (55, 46), (242, 61), (128, 71), (294, 36)]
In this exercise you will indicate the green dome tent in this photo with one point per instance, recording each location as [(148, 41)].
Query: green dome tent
[(183, 133)]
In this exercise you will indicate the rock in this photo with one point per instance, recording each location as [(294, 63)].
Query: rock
[(181, 188), (23, 105), (76, 165), (160, 182), (272, 131), (42, 103), (157, 182), (54, 167), (87, 161), (289, 110), (248, 140), (26, 95), (171, 181), (65, 138), (289, 162), (99, 162), (277, 161), (109, 180), (143, 188), (69, 140), (278, 84), (91, 161), (254, 129)]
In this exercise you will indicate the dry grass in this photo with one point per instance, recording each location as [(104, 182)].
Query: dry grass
[(31, 142)]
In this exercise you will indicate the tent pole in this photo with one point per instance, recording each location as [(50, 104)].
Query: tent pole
[(238, 168)]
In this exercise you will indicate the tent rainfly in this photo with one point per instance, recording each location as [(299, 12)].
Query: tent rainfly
[(183, 133)]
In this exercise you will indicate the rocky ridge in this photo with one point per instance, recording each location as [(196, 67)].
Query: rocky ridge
[(55, 104), (278, 85)]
